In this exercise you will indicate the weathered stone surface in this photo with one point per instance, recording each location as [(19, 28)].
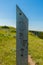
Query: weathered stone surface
[(21, 38)]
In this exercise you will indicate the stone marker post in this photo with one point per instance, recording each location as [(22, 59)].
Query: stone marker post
[(21, 38)]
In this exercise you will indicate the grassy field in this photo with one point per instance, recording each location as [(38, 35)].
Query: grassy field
[(8, 46), (36, 48)]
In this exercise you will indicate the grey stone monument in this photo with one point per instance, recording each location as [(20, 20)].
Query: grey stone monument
[(21, 38)]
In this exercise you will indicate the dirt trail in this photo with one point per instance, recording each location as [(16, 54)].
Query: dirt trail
[(30, 61)]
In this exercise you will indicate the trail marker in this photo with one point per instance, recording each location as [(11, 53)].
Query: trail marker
[(21, 38)]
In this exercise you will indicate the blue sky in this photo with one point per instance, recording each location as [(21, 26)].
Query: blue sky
[(33, 9)]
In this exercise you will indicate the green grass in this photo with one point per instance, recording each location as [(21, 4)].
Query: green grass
[(8, 46), (36, 48)]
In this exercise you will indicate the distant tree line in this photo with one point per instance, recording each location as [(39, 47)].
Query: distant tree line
[(6, 27)]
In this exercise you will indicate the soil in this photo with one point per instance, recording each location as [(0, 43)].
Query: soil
[(30, 60)]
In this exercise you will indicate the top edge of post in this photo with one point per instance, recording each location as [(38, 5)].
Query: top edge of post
[(21, 11)]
